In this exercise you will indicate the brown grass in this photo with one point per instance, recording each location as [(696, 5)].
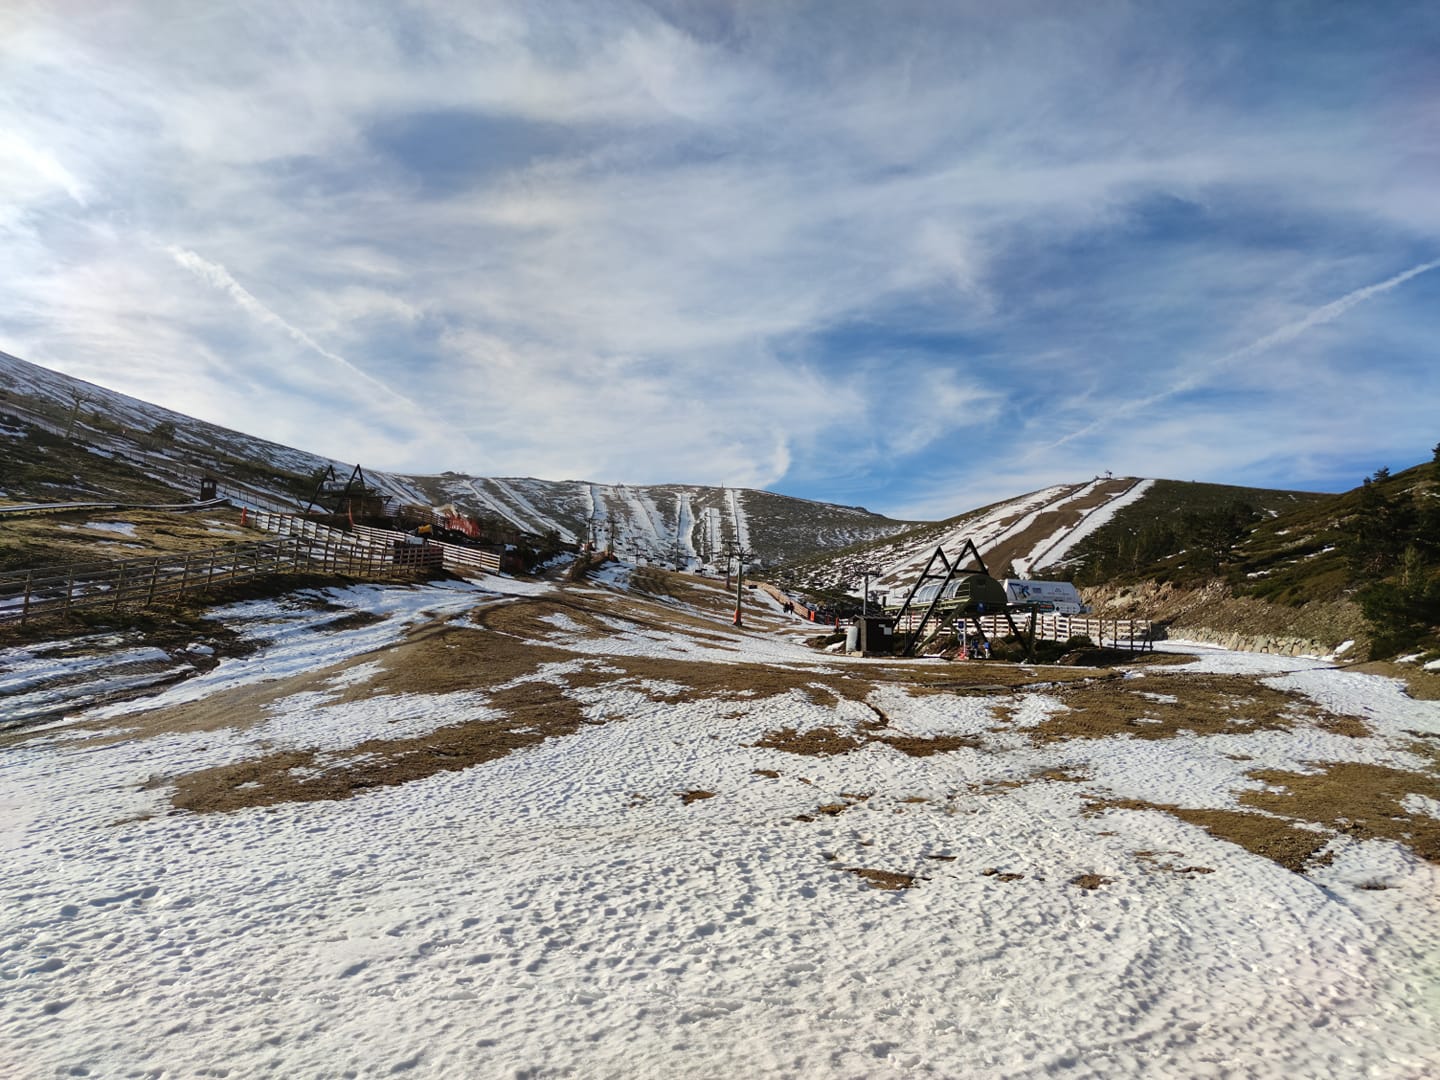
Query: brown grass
[(1272, 838), (916, 746), (826, 741), (817, 742), (1362, 801), (535, 711), (1420, 684), (68, 537), (1206, 705)]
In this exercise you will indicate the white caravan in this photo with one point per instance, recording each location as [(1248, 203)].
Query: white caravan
[(1060, 596)]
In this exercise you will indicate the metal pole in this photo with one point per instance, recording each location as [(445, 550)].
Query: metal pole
[(739, 586)]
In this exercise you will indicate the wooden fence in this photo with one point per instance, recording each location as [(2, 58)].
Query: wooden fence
[(156, 581), (1134, 634), (456, 557)]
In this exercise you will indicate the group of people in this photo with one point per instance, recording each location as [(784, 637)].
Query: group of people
[(975, 648)]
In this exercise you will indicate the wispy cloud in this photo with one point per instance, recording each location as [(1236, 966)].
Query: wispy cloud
[(848, 251), (1198, 374), (218, 277)]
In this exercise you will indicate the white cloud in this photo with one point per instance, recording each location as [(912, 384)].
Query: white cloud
[(711, 245)]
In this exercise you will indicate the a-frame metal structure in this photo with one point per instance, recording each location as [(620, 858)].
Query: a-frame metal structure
[(944, 574), (343, 501)]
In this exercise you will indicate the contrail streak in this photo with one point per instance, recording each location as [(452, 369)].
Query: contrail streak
[(217, 276), (1289, 332)]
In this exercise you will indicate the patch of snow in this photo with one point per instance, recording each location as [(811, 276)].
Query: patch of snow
[(1421, 804), (123, 528), (563, 621)]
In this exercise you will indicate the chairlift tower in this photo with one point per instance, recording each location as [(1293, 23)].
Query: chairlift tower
[(741, 557)]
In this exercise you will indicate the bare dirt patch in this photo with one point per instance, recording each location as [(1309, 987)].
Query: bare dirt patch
[(1166, 704), (1090, 881), (1057, 773), (883, 879), (1362, 801), (1273, 838), (1156, 860)]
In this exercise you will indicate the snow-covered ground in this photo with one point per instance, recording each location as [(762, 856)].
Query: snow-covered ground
[(656, 895)]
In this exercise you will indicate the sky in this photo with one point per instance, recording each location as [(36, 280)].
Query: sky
[(912, 256)]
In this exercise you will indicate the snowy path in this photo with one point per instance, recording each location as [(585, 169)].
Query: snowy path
[(493, 502), (740, 521), (685, 527), (1056, 547), (539, 522)]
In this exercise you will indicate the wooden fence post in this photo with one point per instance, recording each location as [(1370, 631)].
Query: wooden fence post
[(154, 576), (119, 587), (25, 604)]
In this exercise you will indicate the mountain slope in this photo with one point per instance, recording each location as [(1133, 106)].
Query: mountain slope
[(1047, 533), (678, 525)]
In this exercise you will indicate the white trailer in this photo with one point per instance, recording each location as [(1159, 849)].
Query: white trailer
[(1061, 596)]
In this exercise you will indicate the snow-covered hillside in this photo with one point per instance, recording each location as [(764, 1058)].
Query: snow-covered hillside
[(1027, 533), (674, 525), (110, 420), (681, 526)]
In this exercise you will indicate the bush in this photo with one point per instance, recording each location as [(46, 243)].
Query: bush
[(582, 566), (1402, 611)]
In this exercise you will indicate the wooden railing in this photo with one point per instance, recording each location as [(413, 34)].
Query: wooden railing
[(168, 579), (1134, 634), (455, 557)]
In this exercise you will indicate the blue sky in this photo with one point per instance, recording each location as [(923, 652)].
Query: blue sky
[(915, 256)]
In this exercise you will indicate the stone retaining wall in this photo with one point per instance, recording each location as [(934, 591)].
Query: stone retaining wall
[(1259, 643)]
